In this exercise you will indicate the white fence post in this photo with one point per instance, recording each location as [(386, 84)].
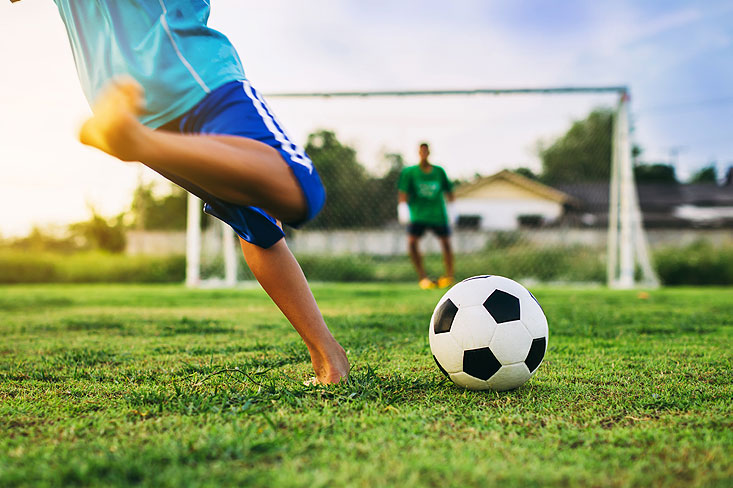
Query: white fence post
[(193, 242)]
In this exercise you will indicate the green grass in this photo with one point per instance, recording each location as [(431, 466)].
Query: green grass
[(123, 385)]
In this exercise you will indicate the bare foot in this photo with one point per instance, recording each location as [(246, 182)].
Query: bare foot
[(114, 127), (331, 367)]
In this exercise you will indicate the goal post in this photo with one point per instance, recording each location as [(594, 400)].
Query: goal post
[(194, 249), (627, 258), (193, 241), (627, 243)]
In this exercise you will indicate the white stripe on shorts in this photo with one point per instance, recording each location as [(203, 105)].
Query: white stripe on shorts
[(296, 153)]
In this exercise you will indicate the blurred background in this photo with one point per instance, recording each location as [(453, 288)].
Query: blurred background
[(532, 170)]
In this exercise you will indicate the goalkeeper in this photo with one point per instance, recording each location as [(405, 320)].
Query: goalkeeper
[(170, 92), (423, 191)]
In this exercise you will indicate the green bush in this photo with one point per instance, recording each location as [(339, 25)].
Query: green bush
[(338, 268), (577, 264), (89, 267), (28, 267), (699, 263)]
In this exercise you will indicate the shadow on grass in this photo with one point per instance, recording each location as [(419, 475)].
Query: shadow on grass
[(89, 324)]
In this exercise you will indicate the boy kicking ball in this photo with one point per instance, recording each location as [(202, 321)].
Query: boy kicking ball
[(170, 92)]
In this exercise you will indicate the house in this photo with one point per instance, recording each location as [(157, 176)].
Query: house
[(507, 200), (663, 205)]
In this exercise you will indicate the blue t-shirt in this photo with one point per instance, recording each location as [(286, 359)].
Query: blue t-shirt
[(163, 44)]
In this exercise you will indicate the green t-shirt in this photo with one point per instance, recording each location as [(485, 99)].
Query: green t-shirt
[(425, 194)]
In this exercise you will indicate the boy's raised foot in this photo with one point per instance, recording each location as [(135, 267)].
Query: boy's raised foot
[(114, 127)]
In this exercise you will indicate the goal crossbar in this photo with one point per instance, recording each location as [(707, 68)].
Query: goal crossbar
[(562, 90)]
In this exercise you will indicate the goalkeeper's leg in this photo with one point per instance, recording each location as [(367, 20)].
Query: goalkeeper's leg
[(448, 278)]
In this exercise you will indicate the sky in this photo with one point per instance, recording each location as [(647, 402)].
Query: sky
[(675, 56)]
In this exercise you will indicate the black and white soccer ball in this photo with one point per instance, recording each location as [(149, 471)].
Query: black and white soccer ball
[(488, 332)]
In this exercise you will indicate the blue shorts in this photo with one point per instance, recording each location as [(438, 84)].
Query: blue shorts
[(236, 109)]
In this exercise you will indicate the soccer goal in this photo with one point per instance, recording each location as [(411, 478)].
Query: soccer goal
[(543, 179)]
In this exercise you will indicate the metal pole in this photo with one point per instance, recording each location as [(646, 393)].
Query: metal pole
[(478, 91), (626, 273), (230, 255), (612, 251)]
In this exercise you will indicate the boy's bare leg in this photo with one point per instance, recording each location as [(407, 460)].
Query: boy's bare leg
[(237, 170), (282, 278), (234, 169)]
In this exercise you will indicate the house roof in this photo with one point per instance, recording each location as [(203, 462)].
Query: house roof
[(654, 196), (527, 184)]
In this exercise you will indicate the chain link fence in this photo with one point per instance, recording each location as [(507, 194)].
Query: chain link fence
[(531, 175)]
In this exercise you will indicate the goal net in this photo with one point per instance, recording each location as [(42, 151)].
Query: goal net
[(543, 185)]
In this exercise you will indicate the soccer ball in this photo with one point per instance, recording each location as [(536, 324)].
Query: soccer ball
[(488, 332)]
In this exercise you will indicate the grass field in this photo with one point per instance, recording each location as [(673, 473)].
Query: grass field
[(123, 385)]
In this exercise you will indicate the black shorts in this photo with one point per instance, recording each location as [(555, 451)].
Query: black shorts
[(418, 230)]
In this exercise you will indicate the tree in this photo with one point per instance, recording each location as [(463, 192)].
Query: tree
[(100, 233), (655, 173), (40, 240), (167, 212), (344, 179), (583, 154), (354, 198), (384, 194), (708, 174)]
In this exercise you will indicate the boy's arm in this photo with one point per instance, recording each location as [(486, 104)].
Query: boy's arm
[(403, 211)]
